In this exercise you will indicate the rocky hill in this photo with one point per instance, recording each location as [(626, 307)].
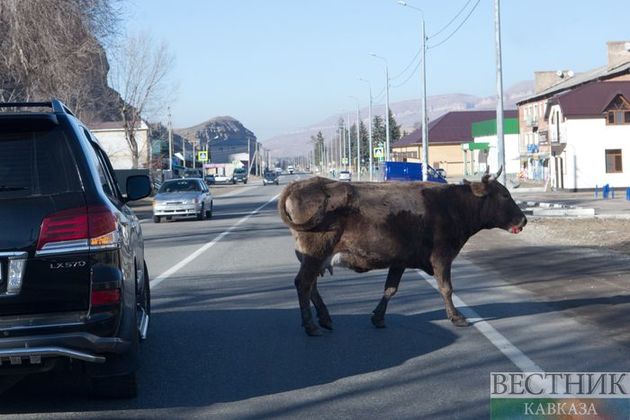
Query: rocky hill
[(225, 135), (407, 114)]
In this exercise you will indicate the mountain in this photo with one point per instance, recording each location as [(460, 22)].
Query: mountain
[(406, 113), (226, 137)]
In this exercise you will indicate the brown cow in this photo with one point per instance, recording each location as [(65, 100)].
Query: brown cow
[(366, 226)]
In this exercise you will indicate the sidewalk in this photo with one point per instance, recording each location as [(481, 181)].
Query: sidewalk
[(617, 207)]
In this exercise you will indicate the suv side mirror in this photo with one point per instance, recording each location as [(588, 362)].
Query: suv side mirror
[(138, 186)]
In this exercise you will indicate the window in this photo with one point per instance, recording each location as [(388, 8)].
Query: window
[(613, 161), (618, 111)]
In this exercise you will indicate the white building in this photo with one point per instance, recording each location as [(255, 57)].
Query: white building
[(111, 136), (589, 130)]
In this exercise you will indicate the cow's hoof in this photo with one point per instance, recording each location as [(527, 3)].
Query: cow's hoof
[(378, 322), (312, 331), (326, 323), (460, 322)]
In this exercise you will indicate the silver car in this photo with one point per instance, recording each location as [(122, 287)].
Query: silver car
[(182, 197)]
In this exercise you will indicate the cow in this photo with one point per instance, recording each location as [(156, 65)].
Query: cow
[(365, 226)]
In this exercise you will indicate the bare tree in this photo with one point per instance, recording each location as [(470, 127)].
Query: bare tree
[(139, 73), (53, 48)]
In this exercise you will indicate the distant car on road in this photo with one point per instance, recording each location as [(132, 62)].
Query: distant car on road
[(278, 170), (290, 169), (441, 172), (270, 178), (209, 179), (345, 176), (183, 197), (224, 179), (239, 175), (192, 173)]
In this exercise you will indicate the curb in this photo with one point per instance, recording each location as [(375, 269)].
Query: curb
[(544, 209)]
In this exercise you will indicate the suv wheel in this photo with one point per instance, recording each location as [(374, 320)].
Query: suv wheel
[(202, 213), (157, 219)]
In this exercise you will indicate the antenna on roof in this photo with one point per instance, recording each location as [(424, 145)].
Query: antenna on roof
[(570, 73), (559, 73)]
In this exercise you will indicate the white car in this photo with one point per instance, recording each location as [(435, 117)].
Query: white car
[(345, 176), (182, 197), (290, 168)]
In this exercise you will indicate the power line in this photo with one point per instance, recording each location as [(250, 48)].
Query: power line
[(408, 77), (413, 60), (456, 29), (451, 21)]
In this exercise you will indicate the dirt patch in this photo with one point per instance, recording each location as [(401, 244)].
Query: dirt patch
[(611, 234)]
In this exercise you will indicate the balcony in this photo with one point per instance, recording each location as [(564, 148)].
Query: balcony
[(531, 121)]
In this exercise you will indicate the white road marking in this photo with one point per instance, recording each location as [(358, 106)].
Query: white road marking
[(174, 269), (504, 345)]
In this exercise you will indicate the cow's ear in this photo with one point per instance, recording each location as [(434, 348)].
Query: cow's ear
[(479, 189)]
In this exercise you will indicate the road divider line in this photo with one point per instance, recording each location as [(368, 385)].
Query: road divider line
[(174, 269), (504, 345)]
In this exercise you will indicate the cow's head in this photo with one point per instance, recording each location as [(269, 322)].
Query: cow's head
[(498, 209)]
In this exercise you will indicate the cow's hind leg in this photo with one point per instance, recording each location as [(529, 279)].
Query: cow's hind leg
[(304, 283), (443, 277), (322, 311), (391, 286)]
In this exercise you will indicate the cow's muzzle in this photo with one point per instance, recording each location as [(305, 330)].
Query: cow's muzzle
[(518, 227)]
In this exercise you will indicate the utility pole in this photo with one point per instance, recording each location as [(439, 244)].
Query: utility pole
[(170, 142), (194, 159), (371, 169), (358, 143), (249, 158), (349, 144), (257, 160), (425, 119), (500, 138)]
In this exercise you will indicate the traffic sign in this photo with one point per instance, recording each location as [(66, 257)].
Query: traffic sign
[(202, 156), (344, 161), (379, 153)]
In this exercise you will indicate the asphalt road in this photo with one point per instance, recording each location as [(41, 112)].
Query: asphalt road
[(225, 339)]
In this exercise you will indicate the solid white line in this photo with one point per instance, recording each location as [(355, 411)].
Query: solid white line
[(504, 345), (174, 269)]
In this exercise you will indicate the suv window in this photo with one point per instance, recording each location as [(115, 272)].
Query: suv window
[(36, 162)]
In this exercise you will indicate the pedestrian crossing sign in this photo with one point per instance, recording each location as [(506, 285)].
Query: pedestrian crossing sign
[(202, 156), (379, 153)]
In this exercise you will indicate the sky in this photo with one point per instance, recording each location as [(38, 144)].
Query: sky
[(278, 65)]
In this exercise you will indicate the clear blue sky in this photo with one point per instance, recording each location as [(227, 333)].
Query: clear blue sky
[(277, 65)]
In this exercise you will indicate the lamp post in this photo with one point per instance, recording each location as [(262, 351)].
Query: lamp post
[(358, 139), (425, 125), (386, 105), (170, 142), (369, 130)]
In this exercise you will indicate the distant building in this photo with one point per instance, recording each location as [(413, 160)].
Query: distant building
[(484, 152), (553, 149), (446, 136), (111, 136)]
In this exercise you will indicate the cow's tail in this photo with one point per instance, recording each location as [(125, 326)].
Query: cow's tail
[(303, 205)]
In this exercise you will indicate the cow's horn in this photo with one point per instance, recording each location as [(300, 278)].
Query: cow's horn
[(494, 177)]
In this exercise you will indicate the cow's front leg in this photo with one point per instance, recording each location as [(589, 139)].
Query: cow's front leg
[(304, 283), (322, 311), (391, 287), (443, 277)]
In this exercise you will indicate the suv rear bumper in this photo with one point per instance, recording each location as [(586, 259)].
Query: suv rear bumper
[(31, 350)]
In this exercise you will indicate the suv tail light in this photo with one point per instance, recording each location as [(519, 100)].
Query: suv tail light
[(93, 226), (105, 297)]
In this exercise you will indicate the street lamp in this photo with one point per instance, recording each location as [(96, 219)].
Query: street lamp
[(358, 139), (386, 105), (425, 125), (369, 130)]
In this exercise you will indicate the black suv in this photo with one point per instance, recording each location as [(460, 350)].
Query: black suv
[(74, 288)]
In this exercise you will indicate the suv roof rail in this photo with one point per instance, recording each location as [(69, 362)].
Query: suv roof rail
[(55, 104)]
